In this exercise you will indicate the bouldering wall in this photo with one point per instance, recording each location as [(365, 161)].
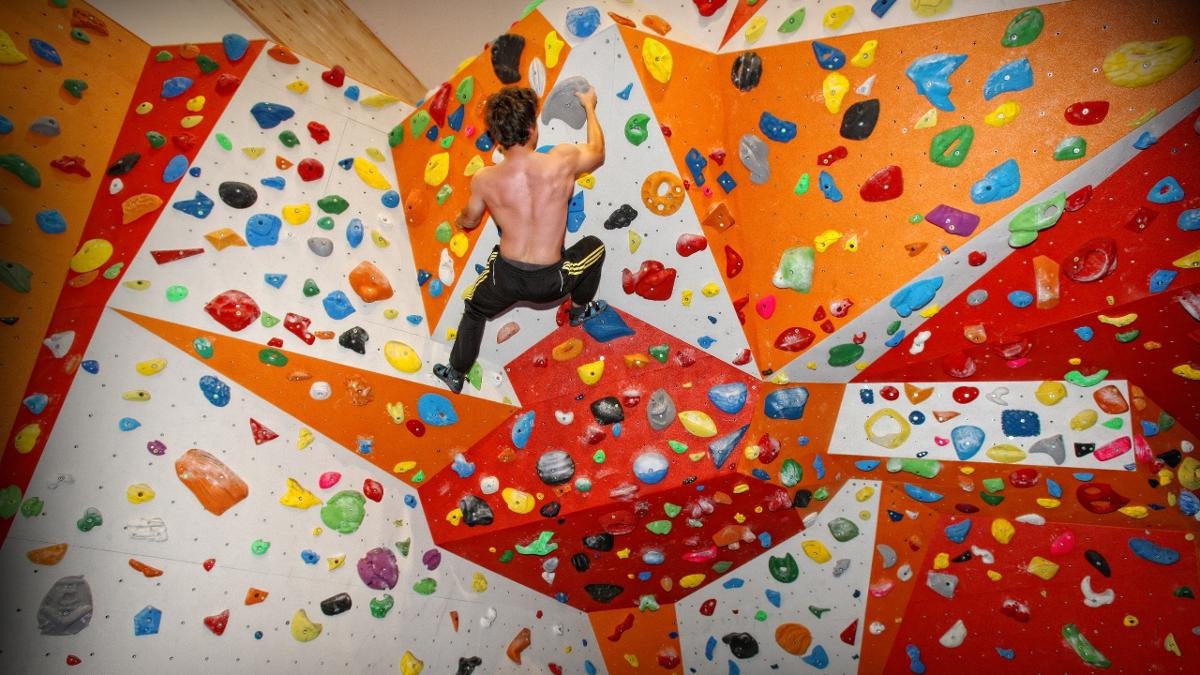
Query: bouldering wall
[(899, 372)]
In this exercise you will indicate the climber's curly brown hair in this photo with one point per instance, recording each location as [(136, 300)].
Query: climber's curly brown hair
[(511, 113)]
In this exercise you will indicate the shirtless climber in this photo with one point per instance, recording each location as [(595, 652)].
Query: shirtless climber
[(527, 196)]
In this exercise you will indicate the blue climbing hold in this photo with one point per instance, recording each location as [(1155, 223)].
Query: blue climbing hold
[(828, 56), (1020, 299), (1001, 182), (695, 163), (6, 125), (575, 221), (354, 232), (174, 86), (216, 391), (422, 277), (914, 659), (1189, 503), (436, 410), (720, 449), (522, 429), (199, 206), (1053, 488), (967, 440), (915, 296), (410, 501), (896, 339), (175, 168), (36, 403), (1006, 654), (576, 203), (706, 341), (128, 424), (921, 494), (1085, 333), (146, 621), (51, 221), (916, 417), (1189, 220), (1145, 140), (277, 182), (455, 119), (653, 557), (1148, 550), (390, 199), (776, 129), (729, 397), (726, 182), (262, 229), (710, 647), (484, 143), (346, 163), (1166, 191), (271, 115), (931, 75), (817, 658), (624, 93), (194, 172), (462, 467), (786, 404), (1012, 76), (819, 467), (760, 474), (1161, 279), (91, 365), (45, 51), (733, 582), (829, 187), (352, 92), (958, 532), (607, 325), (275, 280), (337, 305), (867, 464), (881, 7), (583, 21), (235, 46), (431, 133), (1020, 423), (414, 319), (866, 395), (774, 597)]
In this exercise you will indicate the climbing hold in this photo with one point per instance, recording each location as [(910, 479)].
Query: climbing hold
[(1001, 182), (271, 115), (657, 59), (1137, 64), (237, 195), (953, 221), (1024, 227), (931, 76), (949, 148), (833, 90), (859, 121), (1012, 76), (828, 56), (1071, 147), (752, 151), (883, 185), (1085, 113)]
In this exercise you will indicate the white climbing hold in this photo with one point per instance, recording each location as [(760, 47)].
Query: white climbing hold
[(918, 343), (954, 636), (488, 618), (1093, 599), (997, 396), (1031, 519)]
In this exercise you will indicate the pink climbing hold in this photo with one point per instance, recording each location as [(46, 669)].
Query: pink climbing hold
[(329, 479)]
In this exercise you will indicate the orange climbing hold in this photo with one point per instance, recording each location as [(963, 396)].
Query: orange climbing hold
[(1110, 399), (916, 394), (519, 644), (139, 205), (369, 282), (47, 555), (567, 350), (1045, 274), (255, 595), (215, 485), (657, 24), (146, 570)]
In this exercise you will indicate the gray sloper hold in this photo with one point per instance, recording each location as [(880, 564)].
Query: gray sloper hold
[(887, 555), (753, 151), (942, 584), (1051, 445), (46, 126), (322, 246), (841, 567), (555, 467), (66, 608), (660, 410), (475, 511), (562, 104)]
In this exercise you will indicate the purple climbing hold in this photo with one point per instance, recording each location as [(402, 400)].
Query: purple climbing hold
[(953, 220), (378, 569)]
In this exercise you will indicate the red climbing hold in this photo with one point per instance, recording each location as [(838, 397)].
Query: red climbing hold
[(768, 449), (733, 262), (828, 158), (227, 83), (739, 305), (71, 164), (1093, 261), (964, 395), (827, 327), (335, 76), (620, 628), (819, 313), (372, 490), (1078, 199), (283, 55), (298, 325), (850, 633), (310, 169), (233, 309), (415, 427), (184, 141), (217, 622), (795, 339), (209, 564), (742, 358), (958, 365), (318, 131), (1023, 478), (717, 156), (1084, 113), (689, 243), (976, 258), (652, 281), (708, 607), (708, 7), (886, 183), (1100, 498), (261, 433), (889, 393), (1016, 609), (438, 104), (73, 660), (1141, 219)]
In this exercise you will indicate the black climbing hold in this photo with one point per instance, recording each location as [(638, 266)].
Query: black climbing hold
[(475, 511), (555, 468), (506, 57), (743, 645), (1172, 457), (550, 509), (603, 592), (238, 195), (336, 604), (467, 665), (747, 71), (124, 165), (860, 119), (1084, 449), (802, 498), (581, 562), (355, 339), (963, 557), (599, 542), (622, 217), (9, 320), (1184, 592), (608, 410), (1096, 560)]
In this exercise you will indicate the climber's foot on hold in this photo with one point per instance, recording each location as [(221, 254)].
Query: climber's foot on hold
[(581, 315), (451, 377)]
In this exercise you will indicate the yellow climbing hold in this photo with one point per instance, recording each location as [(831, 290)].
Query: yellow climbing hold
[(404, 467), (711, 289), (553, 45), (816, 550), (1005, 453), (298, 86), (437, 168), (755, 29), (851, 244), (517, 500), (195, 104), (375, 154), (929, 119), (1084, 419), (297, 496), (473, 166), (335, 561), (994, 575), (303, 629), (9, 54), (1134, 511), (692, 580), (838, 16), (1171, 645), (892, 440), (590, 372), (1186, 371), (698, 423), (1050, 392), (828, 238), (296, 214), (454, 517), (391, 313), (410, 665), (1137, 64), (1002, 530), (459, 244), (379, 100), (1189, 261), (635, 241), (1048, 502), (1042, 568), (304, 438), (479, 582), (139, 493), (91, 255), (941, 561), (402, 357), (657, 59), (586, 181), (379, 240), (395, 411), (928, 8), (151, 366), (1118, 321), (864, 493), (1004, 114), (190, 121), (254, 152), (866, 54), (144, 108), (834, 89), (136, 395), (685, 297), (371, 175)]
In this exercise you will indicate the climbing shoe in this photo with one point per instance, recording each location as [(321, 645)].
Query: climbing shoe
[(450, 377), (581, 315)]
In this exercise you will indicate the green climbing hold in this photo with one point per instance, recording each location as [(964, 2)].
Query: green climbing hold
[(1083, 648), (647, 603), (672, 510), (635, 128), (660, 352), (821, 493), (425, 586), (1024, 28), (599, 456), (793, 22), (916, 218), (404, 547), (783, 568), (1024, 227), (396, 135), (993, 485), (259, 546), (91, 518), (344, 511), (75, 87), (163, 56), (114, 270), (760, 615), (843, 529), (1129, 335), (817, 611), (443, 232), (10, 501), (526, 11), (156, 139), (81, 36), (1080, 380), (272, 357), (446, 142), (176, 293), (32, 507), (203, 347), (475, 375), (1184, 592), (325, 223), (893, 327), (923, 467), (21, 169), (1165, 422), (310, 288), (1114, 423), (444, 193), (206, 64), (334, 204), (802, 184), (381, 606), (268, 319), (1071, 147), (722, 566), (790, 473), (540, 546), (420, 122), (419, 477), (465, 90), (844, 355), (991, 499), (506, 556), (659, 526), (288, 138), (950, 147), (224, 142), (678, 447)]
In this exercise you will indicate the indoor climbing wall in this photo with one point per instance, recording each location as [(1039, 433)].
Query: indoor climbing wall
[(899, 372)]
